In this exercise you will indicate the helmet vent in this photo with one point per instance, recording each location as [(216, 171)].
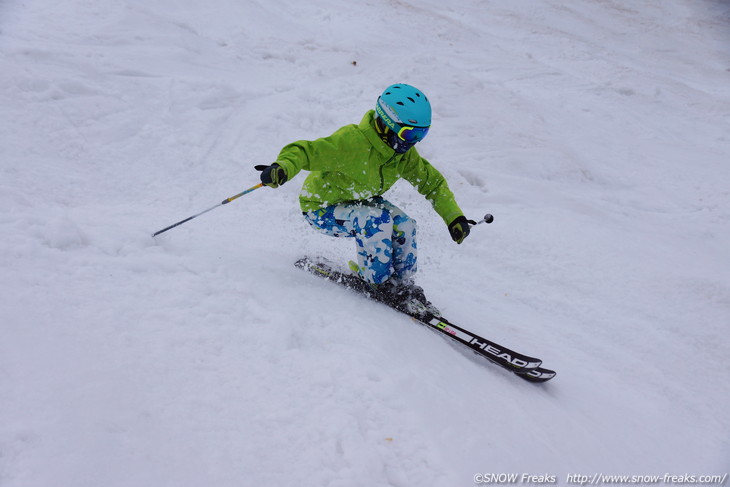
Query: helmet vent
[(412, 100)]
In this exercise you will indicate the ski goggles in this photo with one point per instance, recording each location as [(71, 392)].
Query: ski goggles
[(412, 134)]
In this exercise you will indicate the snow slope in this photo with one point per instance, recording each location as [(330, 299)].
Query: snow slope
[(596, 132)]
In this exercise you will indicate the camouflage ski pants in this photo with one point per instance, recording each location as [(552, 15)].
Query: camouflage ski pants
[(385, 236)]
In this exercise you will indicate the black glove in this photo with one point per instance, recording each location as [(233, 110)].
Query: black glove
[(459, 228), (273, 175)]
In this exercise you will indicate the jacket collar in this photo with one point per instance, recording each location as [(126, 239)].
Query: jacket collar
[(367, 126)]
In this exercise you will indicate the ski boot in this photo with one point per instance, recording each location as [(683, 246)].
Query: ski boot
[(404, 296), (407, 297)]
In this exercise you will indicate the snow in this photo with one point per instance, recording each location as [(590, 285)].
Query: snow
[(596, 132)]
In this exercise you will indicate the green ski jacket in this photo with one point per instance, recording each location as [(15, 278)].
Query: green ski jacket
[(354, 164)]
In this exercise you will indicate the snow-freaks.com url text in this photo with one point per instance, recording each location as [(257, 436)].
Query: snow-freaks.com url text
[(600, 479)]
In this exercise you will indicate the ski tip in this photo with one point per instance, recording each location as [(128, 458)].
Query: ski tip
[(538, 375)]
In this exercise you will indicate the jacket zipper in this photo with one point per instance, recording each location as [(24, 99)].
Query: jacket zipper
[(382, 179)]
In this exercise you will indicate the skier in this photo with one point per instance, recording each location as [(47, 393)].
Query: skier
[(349, 172)]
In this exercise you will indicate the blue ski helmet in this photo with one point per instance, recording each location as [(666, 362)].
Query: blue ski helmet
[(406, 111)]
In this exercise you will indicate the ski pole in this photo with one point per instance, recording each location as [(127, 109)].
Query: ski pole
[(488, 218), (227, 200)]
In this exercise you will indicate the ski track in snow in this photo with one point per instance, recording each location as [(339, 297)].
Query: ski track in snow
[(595, 132)]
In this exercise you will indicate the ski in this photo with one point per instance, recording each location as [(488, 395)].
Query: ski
[(526, 367)]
